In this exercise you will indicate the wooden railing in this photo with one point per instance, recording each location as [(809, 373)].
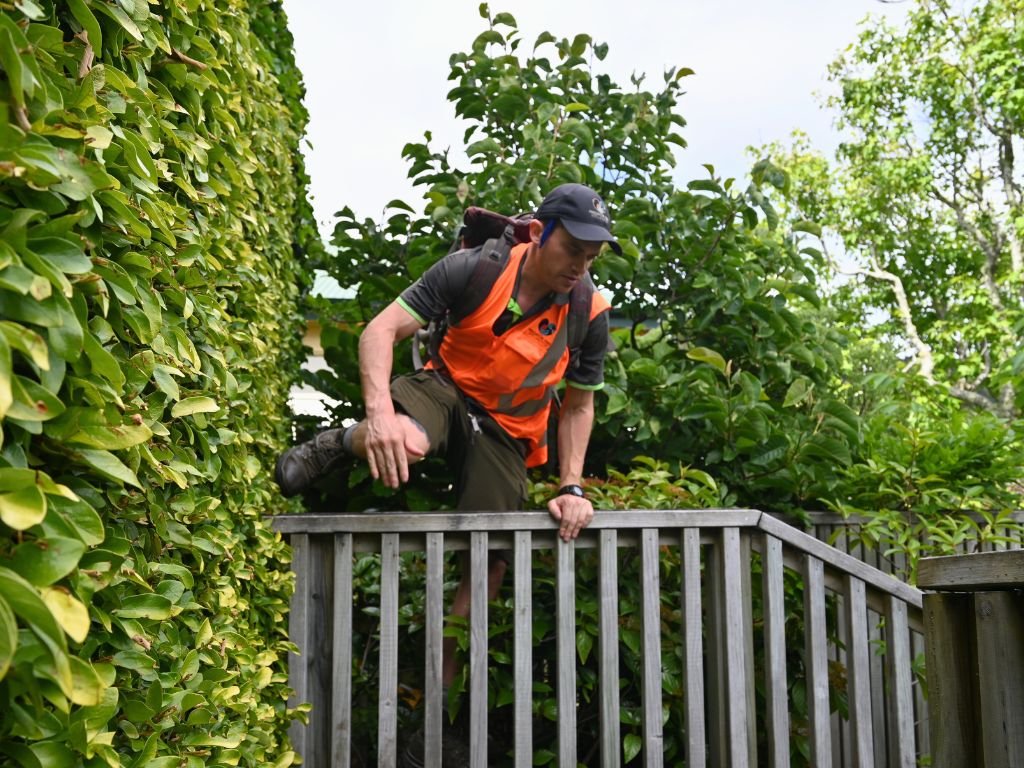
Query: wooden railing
[(846, 608), (974, 611), (842, 533)]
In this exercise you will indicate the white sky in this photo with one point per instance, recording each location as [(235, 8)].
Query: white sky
[(376, 77)]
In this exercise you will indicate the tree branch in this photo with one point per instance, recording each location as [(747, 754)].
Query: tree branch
[(1013, 198), (988, 269)]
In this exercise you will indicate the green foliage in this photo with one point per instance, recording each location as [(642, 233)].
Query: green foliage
[(150, 196), (928, 490), (926, 196), (924, 199), (724, 364)]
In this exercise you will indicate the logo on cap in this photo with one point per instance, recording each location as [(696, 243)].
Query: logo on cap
[(600, 211)]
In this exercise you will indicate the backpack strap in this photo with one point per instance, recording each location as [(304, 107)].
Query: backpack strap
[(579, 319), (494, 255)]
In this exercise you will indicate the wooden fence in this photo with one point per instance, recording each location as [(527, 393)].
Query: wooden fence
[(975, 616), (861, 627)]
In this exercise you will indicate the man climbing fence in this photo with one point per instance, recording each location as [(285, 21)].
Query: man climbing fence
[(517, 318)]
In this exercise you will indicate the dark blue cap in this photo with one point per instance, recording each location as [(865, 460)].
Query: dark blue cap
[(581, 211)]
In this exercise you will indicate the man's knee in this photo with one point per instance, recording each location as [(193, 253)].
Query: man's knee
[(417, 441)]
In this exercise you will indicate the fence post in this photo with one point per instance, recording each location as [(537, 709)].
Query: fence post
[(974, 647)]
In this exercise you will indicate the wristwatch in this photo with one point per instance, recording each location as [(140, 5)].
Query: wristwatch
[(571, 490)]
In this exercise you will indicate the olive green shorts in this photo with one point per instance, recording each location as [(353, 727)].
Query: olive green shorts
[(489, 464)]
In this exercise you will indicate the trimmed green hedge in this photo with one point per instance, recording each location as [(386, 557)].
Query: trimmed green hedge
[(152, 224)]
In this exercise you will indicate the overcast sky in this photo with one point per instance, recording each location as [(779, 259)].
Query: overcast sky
[(376, 76)]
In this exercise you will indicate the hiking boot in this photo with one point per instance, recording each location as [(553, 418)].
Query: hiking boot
[(301, 466), (454, 753)]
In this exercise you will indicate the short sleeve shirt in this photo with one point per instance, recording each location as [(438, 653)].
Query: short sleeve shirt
[(439, 287)]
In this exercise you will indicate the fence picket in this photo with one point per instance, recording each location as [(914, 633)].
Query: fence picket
[(696, 735), (901, 708), (523, 671), (341, 676), (775, 651), (565, 584), (734, 651), (858, 672), (608, 647), (653, 739), (298, 632), (816, 662), (433, 628), (478, 650), (387, 707)]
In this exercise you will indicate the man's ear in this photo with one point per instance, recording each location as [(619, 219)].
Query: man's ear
[(536, 230)]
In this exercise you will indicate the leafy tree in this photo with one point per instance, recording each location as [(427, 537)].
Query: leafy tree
[(723, 372), (926, 197), (720, 365)]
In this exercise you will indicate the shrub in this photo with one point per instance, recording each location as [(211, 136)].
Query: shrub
[(152, 217)]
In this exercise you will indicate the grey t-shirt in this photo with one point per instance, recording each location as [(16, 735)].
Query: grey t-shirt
[(439, 287)]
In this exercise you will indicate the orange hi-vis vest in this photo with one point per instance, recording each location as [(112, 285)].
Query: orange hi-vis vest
[(513, 375)]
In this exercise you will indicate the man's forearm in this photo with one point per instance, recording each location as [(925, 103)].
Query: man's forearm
[(376, 357), (574, 426)]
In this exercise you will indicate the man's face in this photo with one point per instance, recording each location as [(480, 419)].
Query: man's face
[(564, 260)]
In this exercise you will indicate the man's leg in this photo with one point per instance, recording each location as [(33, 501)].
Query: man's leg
[(496, 568), (424, 406), (491, 478), (415, 437)]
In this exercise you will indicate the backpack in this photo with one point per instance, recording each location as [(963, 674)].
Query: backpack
[(496, 234)]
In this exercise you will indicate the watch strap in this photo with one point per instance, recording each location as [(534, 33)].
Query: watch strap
[(572, 490)]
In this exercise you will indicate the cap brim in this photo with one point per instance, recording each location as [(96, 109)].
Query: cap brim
[(591, 233)]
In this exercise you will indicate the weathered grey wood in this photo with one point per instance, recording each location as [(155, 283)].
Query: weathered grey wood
[(902, 752), (838, 654), (815, 663), (434, 649), (858, 673), (565, 606), (747, 614), (298, 628), (320, 579), (696, 751), (734, 641), (608, 647), (987, 570), (426, 522), (651, 617), (387, 706), (879, 715), (717, 688), (523, 672), (922, 735), (999, 639), (458, 541), (341, 673), (950, 670), (478, 651), (730, 631), (840, 561), (876, 598), (776, 692)]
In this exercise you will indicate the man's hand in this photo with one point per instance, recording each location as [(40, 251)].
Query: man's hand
[(574, 514), (388, 449)]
